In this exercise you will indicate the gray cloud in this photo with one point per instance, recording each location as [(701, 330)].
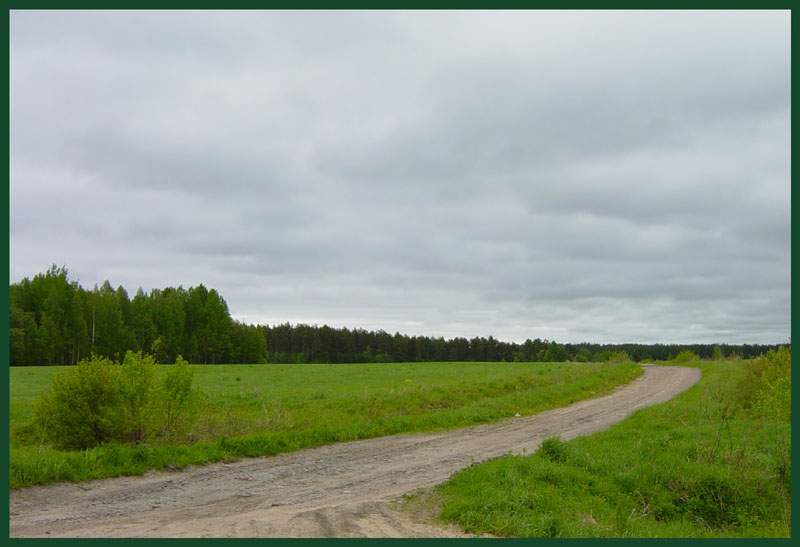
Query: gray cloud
[(602, 176)]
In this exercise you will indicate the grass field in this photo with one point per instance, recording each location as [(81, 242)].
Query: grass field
[(696, 466), (253, 410)]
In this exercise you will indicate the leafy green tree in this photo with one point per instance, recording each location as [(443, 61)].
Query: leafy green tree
[(141, 317), (195, 313), (534, 349), (215, 336), (124, 304), (53, 321), (459, 349), (52, 339), (128, 340), (26, 347), (170, 323), (80, 344), (249, 343), (555, 353), (16, 336), (191, 348), (107, 339)]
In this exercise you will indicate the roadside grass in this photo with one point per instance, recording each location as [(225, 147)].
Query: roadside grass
[(695, 466), (256, 410)]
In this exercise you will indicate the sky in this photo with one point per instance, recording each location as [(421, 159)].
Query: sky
[(596, 176)]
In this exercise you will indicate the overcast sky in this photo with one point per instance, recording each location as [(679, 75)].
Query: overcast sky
[(577, 176)]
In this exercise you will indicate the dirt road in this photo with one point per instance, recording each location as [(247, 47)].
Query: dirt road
[(341, 490)]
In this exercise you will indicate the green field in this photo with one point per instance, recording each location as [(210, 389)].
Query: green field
[(253, 410), (713, 462)]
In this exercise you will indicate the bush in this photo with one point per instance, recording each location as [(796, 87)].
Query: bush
[(611, 356), (99, 401), (176, 401), (766, 391), (716, 499), (138, 381), (618, 357), (84, 405), (554, 449), (686, 356)]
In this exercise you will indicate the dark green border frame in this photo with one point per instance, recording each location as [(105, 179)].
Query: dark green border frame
[(4, 319), (330, 4)]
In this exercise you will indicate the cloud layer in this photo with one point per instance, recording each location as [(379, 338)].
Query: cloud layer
[(578, 176)]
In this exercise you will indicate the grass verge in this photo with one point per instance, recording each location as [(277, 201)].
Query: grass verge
[(256, 410), (696, 466)]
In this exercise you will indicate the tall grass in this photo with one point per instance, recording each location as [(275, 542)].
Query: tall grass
[(255, 410), (700, 465)]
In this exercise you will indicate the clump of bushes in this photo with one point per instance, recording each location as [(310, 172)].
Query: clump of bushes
[(686, 356), (617, 357), (554, 449), (766, 391), (99, 401)]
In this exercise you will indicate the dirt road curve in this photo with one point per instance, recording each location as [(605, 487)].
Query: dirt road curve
[(341, 490)]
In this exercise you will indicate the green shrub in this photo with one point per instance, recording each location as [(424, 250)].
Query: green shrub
[(719, 498), (685, 356), (766, 391), (138, 382), (554, 449), (618, 357), (175, 403), (610, 356), (84, 406), (99, 401)]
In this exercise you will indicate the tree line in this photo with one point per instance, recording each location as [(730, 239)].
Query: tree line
[(313, 344), (55, 321)]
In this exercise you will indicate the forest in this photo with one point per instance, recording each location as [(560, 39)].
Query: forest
[(55, 321)]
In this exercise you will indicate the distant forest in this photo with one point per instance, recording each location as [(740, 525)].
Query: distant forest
[(54, 321)]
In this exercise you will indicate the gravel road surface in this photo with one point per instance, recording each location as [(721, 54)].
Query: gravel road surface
[(339, 490)]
